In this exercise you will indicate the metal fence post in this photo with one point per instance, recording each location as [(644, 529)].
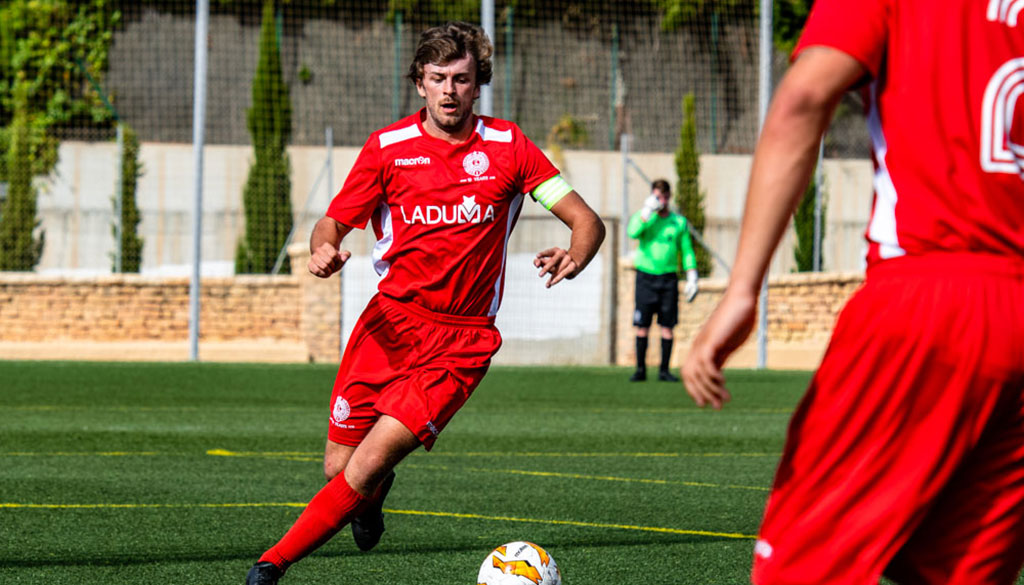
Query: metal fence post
[(764, 98), (118, 203), (198, 127)]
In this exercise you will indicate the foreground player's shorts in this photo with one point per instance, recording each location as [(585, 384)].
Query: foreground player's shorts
[(906, 456), (409, 363)]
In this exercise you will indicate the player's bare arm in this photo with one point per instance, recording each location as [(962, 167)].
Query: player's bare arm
[(326, 256), (783, 162), (587, 234)]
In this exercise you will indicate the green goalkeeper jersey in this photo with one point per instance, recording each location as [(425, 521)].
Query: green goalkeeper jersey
[(664, 243)]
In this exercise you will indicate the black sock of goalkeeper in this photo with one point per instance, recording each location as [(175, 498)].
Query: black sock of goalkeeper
[(666, 353), (641, 353)]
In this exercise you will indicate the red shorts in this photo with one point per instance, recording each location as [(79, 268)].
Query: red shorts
[(411, 364), (906, 456)]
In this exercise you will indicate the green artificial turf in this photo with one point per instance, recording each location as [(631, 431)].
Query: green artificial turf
[(184, 473)]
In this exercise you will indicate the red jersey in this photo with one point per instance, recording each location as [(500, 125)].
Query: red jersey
[(945, 116), (442, 213)]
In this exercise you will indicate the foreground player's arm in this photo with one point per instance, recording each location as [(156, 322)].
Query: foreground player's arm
[(587, 235), (783, 161), (326, 256)]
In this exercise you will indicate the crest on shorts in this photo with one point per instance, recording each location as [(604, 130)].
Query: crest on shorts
[(476, 163), (341, 410)]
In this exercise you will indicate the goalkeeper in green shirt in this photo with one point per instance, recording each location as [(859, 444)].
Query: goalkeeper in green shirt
[(665, 246)]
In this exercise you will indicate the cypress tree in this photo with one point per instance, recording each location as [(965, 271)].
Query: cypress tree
[(131, 170), (803, 225), (267, 194), (689, 196)]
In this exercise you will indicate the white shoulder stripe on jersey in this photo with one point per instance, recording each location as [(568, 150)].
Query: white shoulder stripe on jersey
[(882, 228), (488, 133), (395, 136)]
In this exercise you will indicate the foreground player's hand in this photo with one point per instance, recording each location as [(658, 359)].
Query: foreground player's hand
[(727, 328), (556, 262), (326, 260)]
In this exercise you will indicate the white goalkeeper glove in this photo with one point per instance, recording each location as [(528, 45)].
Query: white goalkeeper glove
[(652, 205), (690, 288)]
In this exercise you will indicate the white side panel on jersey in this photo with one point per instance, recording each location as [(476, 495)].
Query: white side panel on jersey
[(513, 212), (882, 228), (396, 136), (384, 243), (998, 153), (491, 134)]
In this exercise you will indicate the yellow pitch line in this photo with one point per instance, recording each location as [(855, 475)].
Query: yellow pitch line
[(225, 453), (9, 505), (461, 516), (676, 411), (315, 456), (583, 454), (50, 407), (572, 523), (593, 477), (83, 454)]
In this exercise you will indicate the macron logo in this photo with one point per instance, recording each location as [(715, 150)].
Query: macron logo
[(412, 162)]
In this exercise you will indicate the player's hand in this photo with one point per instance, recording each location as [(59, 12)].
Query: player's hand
[(652, 205), (558, 263), (690, 288), (726, 329), (326, 260)]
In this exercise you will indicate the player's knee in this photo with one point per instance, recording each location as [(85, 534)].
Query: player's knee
[(365, 475), (332, 468)]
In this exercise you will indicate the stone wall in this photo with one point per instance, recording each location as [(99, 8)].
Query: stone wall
[(297, 318), (802, 308), (130, 307)]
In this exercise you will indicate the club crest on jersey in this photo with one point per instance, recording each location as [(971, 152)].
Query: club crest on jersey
[(476, 163), (341, 410), (469, 211)]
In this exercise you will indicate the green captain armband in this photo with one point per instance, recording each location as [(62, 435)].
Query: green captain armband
[(551, 191)]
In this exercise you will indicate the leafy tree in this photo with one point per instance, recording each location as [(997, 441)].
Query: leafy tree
[(131, 170), (788, 22), (267, 194), (788, 16), (54, 47), (436, 10), (19, 249), (48, 52), (803, 225), (689, 196)]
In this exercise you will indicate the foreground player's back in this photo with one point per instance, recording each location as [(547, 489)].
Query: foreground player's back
[(946, 120)]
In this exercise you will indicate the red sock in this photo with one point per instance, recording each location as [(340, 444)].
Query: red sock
[(329, 511)]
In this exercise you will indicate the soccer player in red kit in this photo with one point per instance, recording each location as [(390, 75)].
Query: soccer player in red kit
[(906, 456), (443, 189)]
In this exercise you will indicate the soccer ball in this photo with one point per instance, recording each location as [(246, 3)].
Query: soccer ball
[(519, 563)]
